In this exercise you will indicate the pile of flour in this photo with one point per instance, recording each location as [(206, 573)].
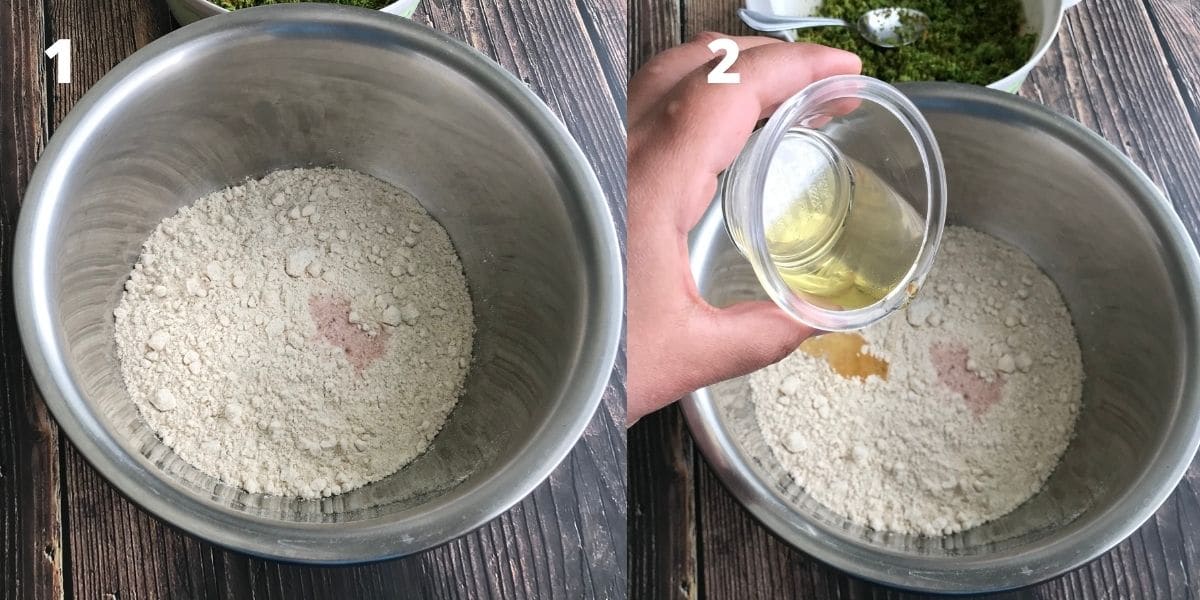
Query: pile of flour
[(979, 402), (302, 335)]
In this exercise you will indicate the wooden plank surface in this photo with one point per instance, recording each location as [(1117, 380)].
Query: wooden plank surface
[(1127, 69), (1177, 23), (654, 25), (662, 509), (567, 539)]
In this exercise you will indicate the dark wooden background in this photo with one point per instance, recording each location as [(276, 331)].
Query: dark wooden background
[(65, 532), (1127, 69)]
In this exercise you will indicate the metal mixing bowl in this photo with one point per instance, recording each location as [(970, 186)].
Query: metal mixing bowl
[(1131, 278), (190, 11), (244, 94)]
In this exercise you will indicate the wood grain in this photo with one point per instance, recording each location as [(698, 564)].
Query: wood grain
[(711, 15), (31, 548), (1126, 69), (654, 25), (1177, 23), (662, 522), (567, 539)]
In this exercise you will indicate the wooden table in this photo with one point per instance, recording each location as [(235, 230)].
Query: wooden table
[(1127, 69), (64, 531)]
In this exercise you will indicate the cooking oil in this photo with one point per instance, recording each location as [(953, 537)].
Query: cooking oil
[(837, 233), (844, 354)]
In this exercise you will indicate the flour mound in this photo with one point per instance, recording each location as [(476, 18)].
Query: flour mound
[(299, 335), (979, 404)]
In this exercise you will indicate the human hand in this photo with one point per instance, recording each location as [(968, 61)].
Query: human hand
[(683, 132)]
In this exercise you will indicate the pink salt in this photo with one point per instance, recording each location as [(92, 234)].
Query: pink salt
[(332, 316), (950, 361)]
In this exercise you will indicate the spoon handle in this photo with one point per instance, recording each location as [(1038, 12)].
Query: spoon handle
[(766, 22)]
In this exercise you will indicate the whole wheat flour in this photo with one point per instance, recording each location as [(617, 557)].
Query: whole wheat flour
[(303, 334), (982, 389)]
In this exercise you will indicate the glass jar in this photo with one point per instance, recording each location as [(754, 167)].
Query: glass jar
[(839, 202)]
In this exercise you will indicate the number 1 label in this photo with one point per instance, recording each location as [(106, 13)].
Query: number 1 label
[(60, 53)]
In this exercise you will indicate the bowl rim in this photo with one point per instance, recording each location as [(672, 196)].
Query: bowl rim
[(212, 8), (374, 538), (1016, 567)]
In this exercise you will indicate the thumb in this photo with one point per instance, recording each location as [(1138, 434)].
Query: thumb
[(746, 337)]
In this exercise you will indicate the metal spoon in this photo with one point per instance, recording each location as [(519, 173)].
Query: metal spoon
[(884, 27)]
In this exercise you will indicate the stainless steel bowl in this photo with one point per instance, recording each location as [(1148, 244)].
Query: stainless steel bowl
[(1131, 278), (276, 87), (190, 11)]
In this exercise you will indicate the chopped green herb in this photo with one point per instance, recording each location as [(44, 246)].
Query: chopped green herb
[(970, 41), (236, 4)]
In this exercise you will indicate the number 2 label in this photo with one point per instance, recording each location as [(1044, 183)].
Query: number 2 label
[(719, 73), (60, 52)]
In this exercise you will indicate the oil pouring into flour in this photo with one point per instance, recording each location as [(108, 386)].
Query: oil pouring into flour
[(940, 418), (300, 335)]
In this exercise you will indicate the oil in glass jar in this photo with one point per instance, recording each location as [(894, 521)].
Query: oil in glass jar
[(839, 202), (837, 233)]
